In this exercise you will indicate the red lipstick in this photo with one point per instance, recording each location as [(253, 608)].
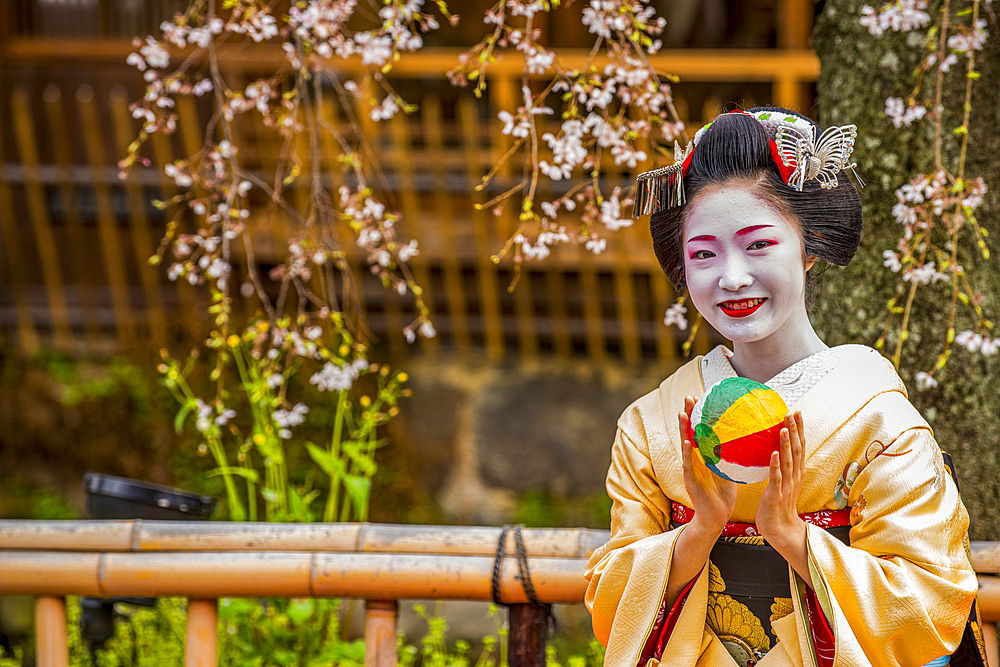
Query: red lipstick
[(742, 307)]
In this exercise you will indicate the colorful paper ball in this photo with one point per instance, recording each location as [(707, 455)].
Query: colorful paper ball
[(735, 426)]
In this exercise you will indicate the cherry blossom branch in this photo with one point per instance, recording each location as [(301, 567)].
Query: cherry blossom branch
[(216, 190), (939, 88), (594, 108), (943, 203)]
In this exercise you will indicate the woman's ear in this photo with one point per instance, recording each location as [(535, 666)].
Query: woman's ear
[(810, 260)]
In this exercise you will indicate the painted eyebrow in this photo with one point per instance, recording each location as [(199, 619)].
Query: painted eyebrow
[(742, 232), (752, 228)]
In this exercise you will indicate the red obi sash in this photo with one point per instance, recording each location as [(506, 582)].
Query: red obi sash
[(823, 518)]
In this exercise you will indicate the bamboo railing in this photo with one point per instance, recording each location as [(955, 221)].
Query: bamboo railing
[(205, 561), (74, 240), (379, 563)]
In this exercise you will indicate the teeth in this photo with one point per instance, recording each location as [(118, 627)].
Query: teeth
[(742, 305)]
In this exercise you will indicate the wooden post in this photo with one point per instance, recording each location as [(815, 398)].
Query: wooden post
[(663, 297), (5, 24), (409, 197), (458, 319), (380, 633), (990, 639), (787, 91), (13, 256), (628, 321), (794, 26), (142, 243), (41, 222), (556, 292), (50, 631), (527, 634), (107, 223), (163, 153), (506, 91), (492, 323), (200, 648), (592, 312), (84, 272)]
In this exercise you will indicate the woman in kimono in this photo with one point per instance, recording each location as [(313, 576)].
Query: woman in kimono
[(854, 551)]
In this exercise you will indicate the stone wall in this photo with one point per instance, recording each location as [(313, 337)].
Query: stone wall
[(476, 438)]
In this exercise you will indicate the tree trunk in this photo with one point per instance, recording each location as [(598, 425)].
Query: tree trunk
[(858, 73)]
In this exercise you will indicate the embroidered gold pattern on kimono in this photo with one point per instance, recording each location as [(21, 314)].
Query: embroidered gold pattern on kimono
[(731, 619), (780, 608), (715, 582)]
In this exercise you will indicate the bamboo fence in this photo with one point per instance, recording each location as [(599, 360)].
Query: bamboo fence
[(379, 563)]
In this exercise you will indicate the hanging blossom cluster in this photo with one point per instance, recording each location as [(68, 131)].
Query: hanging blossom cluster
[(311, 34), (632, 20), (157, 107), (568, 119), (264, 96), (321, 31), (338, 377), (937, 211), (903, 113), (376, 235), (908, 15), (901, 16), (220, 217), (320, 27), (606, 212), (675, 316), (216, 192)]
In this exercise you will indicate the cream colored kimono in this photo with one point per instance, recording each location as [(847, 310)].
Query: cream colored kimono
[(899, 595)]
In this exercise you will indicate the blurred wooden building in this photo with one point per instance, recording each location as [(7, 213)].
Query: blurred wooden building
[(74, 239)]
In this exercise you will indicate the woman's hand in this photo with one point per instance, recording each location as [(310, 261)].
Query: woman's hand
[(777, 515), (712, 497)]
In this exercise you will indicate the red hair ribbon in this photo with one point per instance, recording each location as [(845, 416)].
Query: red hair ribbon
[(785, 169)]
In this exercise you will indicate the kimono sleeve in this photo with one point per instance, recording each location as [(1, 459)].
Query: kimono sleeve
[(628, 575), (901, 593)]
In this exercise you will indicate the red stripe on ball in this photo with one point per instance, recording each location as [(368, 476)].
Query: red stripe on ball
[(753, 450)]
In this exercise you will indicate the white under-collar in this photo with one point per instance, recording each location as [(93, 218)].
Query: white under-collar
[(791, 383)]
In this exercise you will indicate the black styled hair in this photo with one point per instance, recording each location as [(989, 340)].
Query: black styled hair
[(736, 149)]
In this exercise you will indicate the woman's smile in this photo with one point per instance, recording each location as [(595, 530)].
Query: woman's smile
[(741, 308)]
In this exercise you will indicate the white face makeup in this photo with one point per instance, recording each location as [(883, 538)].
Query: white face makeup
[(745, 268)]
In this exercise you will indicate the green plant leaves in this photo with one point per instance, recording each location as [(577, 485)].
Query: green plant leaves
[(364, 461), (246, 473), (359, 490), (182, 414), (300, 610), (328, 463), (300, 502)]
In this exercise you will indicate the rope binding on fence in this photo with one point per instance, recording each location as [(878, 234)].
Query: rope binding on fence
[(524, 575)]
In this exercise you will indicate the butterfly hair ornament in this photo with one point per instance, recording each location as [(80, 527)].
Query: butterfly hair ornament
[(799, 155)]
